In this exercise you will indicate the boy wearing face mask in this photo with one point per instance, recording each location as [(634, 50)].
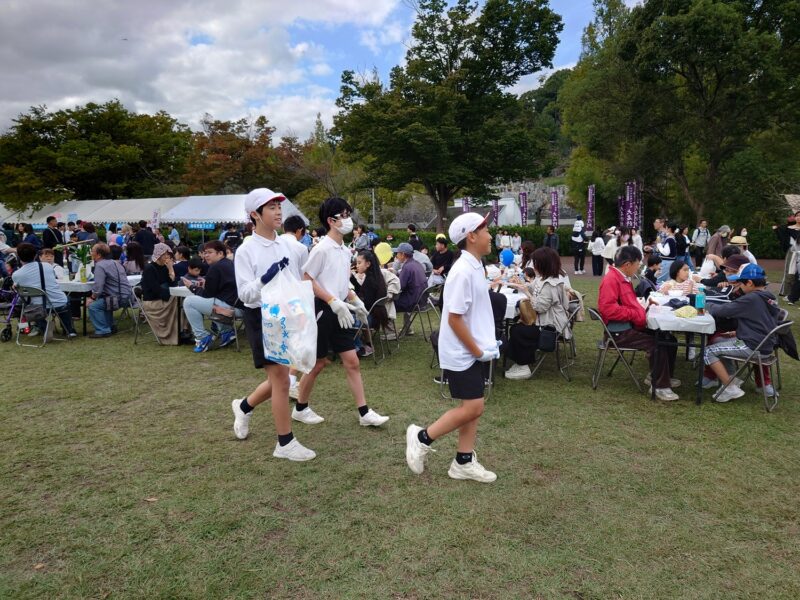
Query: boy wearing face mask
[(328, 269)]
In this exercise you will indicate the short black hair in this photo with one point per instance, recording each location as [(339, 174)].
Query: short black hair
[(71, 223), (60, 224), (184, 250), (627, 254), (755, 282), (653, 260), (412, 227), (675, 267), (332, 206), (730, 250), (26, 252), (51, 218), (195, 263), (293, 224), (116, 252)]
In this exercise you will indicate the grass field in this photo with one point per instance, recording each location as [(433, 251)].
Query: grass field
[(120, 477)]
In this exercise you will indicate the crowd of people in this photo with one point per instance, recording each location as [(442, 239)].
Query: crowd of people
[(367, 282)]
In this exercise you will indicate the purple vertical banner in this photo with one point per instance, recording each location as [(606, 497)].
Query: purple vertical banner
[(523, 208), (554, 208), (628, 205), (465, 204), (620, 211), (495, 210), (640, 202), (590, 209), (635, 210)]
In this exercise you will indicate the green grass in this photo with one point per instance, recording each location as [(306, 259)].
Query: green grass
[(120, 477)]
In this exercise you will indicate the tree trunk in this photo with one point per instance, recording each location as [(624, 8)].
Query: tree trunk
[(441, 195)]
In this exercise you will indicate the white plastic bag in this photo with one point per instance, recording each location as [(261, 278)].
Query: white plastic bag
[(288, 322)]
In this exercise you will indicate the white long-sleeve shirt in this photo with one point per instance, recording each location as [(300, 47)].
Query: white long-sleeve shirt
[(597, 246), (252, 261)]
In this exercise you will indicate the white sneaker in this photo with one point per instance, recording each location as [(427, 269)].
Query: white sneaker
[(731, 392), (241, 421), (519, 372), (673, 383), (372, 419), (472, 470), (709, 384), (294, 391), (34, 331), (416, 451), (294, 450), (307, 416), (666, 394), (770, 390)]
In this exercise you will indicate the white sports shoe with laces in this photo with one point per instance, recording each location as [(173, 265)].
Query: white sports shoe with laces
[(372, 419), (472, 470), (307, 416), (416, 451), (241, 421), (295, 451)]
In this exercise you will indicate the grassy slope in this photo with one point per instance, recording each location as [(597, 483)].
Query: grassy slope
[(120, 475)]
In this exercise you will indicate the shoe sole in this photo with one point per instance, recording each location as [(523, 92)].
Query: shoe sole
[(360, 422), (411, 435), (295, 458)]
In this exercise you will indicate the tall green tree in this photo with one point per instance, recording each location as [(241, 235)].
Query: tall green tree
[(91, 151), (681, 91), (445, 120)]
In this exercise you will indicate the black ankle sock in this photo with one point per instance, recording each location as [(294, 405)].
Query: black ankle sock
[(246, 408), (298, 407), (423, 437), (285, 439), (463, 458), (362, 410)]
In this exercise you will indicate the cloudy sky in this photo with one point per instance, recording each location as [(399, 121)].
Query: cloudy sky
[(229, 58)]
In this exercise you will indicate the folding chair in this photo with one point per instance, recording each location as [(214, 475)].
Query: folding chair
[(380, 330), (27, 294), (565, 349), (141, 315), (423, 306), (758, 360), (603, 347), (237, 322)]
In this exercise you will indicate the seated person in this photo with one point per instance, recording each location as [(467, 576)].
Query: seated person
[(30, 274), (441, 261), (161, 308), (549, 297), (134, 259), (110, 281), (649, 284), (383, 252), (626, 319), (48, 256), (370, 286), (756, 312), (718, 277), (680, 279), (182, 255), (740, 241), (218, 288), (194, 269), (412, 279), (116, 254)]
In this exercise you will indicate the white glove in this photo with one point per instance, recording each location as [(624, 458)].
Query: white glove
[(357, 306), (342, 313), (490, 353)]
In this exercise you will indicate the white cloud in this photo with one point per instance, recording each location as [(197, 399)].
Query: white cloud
[(390, 34), (62, 54), (535, 80)]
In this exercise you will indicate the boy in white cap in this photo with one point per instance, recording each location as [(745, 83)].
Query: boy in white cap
[(328, 268), (466, 341), (256, 264)]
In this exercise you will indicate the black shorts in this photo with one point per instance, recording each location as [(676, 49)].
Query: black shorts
[(330, 335), (468, 384), (252, 327)]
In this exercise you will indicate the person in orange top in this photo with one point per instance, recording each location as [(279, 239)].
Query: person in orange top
[(626, 319)]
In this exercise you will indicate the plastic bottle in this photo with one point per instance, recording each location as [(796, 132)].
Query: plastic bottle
[(700, 299)]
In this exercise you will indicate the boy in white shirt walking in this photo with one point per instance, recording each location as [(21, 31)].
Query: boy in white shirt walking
[(466, 342), (256, 264), (328, 269)]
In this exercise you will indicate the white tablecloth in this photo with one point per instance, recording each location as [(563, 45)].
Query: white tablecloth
[(513, 301), (180, 291), (80, 286), (667, 321)]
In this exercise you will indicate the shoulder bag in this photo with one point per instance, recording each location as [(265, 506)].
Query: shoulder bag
[(36, 312)]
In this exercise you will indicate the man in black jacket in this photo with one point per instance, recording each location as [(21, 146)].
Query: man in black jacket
[(146, 239), (218, 288), (52, 237)]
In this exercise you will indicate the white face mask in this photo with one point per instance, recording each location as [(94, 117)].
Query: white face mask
[(345, 226)]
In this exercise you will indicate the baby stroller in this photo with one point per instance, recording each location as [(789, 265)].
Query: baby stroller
[(9, 306)]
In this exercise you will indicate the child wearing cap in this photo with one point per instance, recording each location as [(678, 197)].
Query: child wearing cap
[(756, 313), (466, 341), (256, 264), (328, 269)]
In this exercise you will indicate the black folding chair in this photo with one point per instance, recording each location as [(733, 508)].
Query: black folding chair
[(757, 359), (425, 305), (379, 331), (565, 348), (604, 346)]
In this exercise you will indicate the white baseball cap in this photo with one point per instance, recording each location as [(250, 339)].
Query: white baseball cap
[(466, 223), (259, 197)]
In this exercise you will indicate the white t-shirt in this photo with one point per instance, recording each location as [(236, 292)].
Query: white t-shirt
[(252, 261), (750, 257), (329, 265), (465, 293)]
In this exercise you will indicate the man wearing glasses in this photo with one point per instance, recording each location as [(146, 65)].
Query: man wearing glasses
[(328, 268)]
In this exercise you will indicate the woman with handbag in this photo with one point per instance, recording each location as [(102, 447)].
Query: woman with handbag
[(544, 313), (110, 291)]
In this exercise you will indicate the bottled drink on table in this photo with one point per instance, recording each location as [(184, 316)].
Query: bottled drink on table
[(700, 299)]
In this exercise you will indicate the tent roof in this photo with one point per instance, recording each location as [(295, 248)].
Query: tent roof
[(218, 209), (61, 210), (128, 211)]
